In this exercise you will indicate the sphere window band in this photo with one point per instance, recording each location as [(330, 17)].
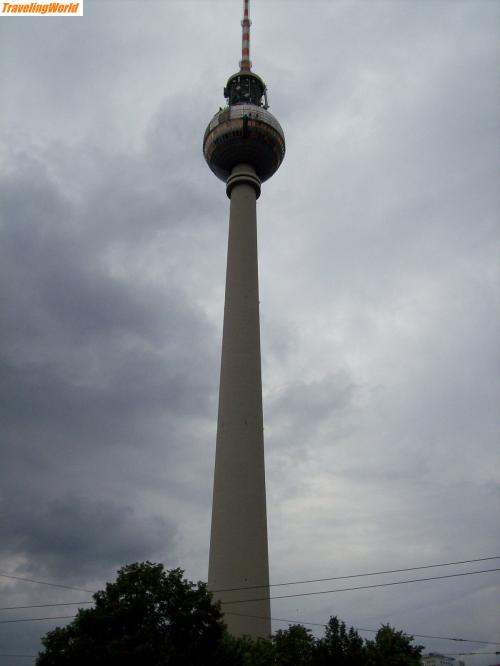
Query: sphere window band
[(251, 110), (244, 133)]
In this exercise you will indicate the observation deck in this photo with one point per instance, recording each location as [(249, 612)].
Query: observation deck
[(244, 134)]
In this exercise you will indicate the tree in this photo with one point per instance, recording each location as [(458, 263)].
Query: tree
[(157, 618), (294, 646), (148, 616), (246, 651), (393, 648), (339, 646)]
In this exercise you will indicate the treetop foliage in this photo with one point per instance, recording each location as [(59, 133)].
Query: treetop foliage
[(153, 617)]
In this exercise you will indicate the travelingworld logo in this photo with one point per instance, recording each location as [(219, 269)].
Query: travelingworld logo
[(64, 8)]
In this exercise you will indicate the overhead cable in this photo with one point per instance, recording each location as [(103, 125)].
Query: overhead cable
[(22, 656), (277, 619), (361, 587), (293, 582), (44, 582), (360, 575), (37, 619), (69, 603), (408, 633)]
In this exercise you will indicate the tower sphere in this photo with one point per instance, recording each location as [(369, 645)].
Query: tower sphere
[(244, 131)]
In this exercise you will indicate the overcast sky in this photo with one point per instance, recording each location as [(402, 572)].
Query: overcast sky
[(378, 257)]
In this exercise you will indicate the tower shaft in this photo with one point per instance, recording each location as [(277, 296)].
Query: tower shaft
[(238, 543)]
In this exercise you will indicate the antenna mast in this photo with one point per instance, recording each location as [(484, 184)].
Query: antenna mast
[(245, 62)]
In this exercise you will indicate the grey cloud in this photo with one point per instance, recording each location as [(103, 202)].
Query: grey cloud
[(94, 361), (377, 246), (75, 539), (312, 401)]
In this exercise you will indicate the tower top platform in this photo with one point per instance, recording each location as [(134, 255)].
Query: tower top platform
[(245, 87), (244, 132)]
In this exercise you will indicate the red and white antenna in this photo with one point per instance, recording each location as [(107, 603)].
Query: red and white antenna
[(245, 62)]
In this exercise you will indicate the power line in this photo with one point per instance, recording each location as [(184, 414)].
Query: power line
[(317, 580), (37, 619), (361, 587), (70, 603), (24, 656), (455, 654), (450, 638), (417, 580), (278, 619), (464, 654), (44, 582), (302, 594), (294, 582), (360, 575), (322, 624)]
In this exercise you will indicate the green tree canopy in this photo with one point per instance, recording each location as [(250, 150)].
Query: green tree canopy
[(340, 646), (148, 616), (153, 617), (294, 646), (393, 648)]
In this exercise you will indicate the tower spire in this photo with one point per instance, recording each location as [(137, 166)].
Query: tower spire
[(245, 62)]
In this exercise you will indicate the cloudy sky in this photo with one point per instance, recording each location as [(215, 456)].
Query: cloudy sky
[(378, 246)]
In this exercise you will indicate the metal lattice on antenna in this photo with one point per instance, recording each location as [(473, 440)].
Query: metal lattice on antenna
[(245, 62)]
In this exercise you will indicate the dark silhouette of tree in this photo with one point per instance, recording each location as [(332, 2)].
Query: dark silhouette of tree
[(148, 616), (393, 648), (340, 646), (153, 617), (251, 652), (294, 646)]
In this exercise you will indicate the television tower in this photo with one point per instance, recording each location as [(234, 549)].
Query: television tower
[(243, 145)]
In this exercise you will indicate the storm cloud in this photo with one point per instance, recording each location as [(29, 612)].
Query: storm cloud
[(378, 247)]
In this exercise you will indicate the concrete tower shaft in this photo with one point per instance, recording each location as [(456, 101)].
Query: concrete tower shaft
[(238, 543)]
